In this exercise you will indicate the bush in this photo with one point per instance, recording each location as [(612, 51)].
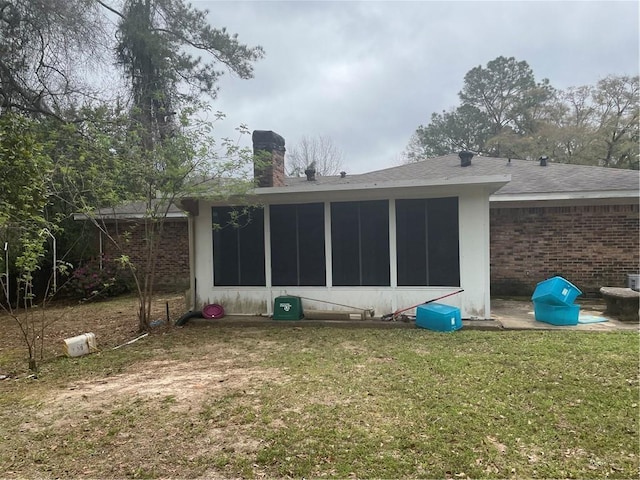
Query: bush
[(94, 280)]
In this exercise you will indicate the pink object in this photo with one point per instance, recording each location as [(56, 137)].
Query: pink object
[(213, 311)]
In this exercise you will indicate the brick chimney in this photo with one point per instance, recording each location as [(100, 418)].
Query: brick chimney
[(268, 158)]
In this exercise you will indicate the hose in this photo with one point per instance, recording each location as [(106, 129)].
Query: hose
[(185, 318)]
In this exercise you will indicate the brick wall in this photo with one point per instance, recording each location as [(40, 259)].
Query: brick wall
[(591, 246), (172, 268)]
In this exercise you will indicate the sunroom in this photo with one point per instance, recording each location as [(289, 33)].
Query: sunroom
[(338, 240)]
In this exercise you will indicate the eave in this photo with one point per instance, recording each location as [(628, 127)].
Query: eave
[(599, 197)]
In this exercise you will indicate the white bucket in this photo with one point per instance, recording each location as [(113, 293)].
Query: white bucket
[(80, 345), (633, 282)]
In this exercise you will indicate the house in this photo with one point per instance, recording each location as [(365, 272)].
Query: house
[(324, 237), (402, 235), (126, 225)]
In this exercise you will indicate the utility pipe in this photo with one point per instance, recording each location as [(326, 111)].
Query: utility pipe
[(55, 260), (6, 264)]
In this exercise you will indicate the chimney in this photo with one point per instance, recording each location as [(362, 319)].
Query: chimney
[(543, 161), (465, 158), (268, 158)]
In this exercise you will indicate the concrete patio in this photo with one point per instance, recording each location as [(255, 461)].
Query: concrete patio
[(518, 315), (507, 314)]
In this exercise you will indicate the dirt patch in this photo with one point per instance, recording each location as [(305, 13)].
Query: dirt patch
[(114, 322), (170, 417), (180, 382)]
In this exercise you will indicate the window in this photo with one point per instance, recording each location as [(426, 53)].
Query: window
[(360, 243), (297, 244), (238, 246), (427, 242)]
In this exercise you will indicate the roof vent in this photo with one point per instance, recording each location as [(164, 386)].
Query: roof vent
[(543, 161), (343, 174), (310, 172), (465, 158)]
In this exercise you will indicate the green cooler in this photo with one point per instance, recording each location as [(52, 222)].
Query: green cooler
[(287, 308)]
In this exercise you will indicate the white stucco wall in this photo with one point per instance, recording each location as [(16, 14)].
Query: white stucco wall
[(474, 302), (474, 253)]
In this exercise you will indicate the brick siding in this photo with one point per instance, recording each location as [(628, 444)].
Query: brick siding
[(591, 246), (172, 268)]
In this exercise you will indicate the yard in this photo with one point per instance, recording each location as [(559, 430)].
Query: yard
[(213, 401)]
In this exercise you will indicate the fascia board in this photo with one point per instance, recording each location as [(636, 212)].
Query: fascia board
[(125, 216), (367, 191), (628, 196), (487, 180)]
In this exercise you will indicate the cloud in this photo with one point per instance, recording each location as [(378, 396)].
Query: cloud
[(366, 74)]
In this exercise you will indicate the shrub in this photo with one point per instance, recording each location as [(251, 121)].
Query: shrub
[(93, 279)]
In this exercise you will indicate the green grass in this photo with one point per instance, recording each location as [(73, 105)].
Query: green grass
[(334, 402)]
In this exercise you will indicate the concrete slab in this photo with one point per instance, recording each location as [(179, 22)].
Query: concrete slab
[(518, 315), (507, 314)]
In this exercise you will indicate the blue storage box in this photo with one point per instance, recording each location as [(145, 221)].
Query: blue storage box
[(438, 317), (556, 314), (555, 291)]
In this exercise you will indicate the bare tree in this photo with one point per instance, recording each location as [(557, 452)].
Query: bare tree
[(48, 49), (319, 152)]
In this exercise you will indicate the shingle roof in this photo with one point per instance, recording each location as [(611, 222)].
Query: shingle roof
[(132, 210), (527, 176)]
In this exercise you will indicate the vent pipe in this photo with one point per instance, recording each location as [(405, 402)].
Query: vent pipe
[(310, 172), (465, 158)]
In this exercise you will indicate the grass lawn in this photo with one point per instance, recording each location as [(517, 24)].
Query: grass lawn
[(215, 401)]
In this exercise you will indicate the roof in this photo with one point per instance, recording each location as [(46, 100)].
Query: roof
[(512, 180), (528, 178), (133, 210)]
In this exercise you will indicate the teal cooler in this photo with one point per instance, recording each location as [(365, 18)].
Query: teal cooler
[(287, 308), (438, 317)]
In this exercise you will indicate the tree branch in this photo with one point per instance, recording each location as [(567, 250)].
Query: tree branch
[(111, 9)]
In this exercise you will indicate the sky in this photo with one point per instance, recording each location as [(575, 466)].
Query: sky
[(367, 74)]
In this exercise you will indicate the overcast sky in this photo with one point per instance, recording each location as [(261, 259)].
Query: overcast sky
[(367, 74)]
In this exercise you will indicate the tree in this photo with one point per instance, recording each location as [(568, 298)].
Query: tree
[(591, 125), (617, 110), (465, 128), (42, 46), (318, 152), (155, 38), (25, 174), (569, 126), (165, 82), (156, 151), (501, 102), (504, 112), (506, 91)]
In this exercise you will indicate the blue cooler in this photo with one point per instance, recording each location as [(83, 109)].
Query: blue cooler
[(438, 317), (555, 291)]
